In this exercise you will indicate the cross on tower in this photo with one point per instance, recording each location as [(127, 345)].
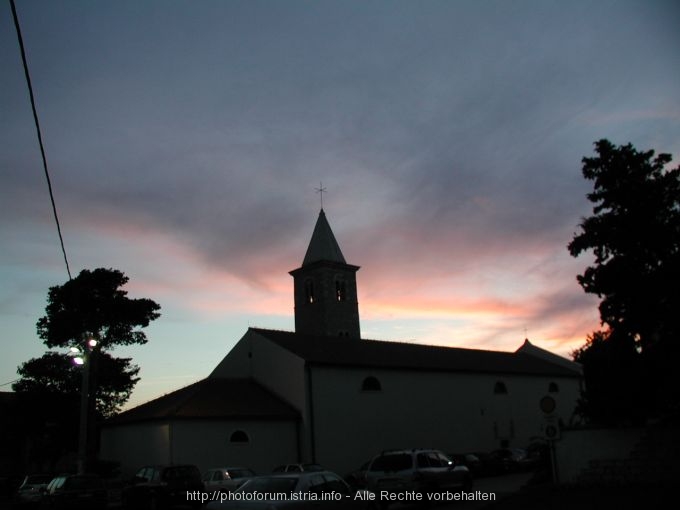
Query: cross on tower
[(321, 190)]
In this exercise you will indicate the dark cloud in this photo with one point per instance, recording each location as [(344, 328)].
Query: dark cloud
[(449, 134)]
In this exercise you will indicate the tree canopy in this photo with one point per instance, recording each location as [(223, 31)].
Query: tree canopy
[(634, 234), (55, 373), (90, 305), (93, 302)]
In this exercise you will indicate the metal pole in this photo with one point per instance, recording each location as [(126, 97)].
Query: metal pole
[(84, 404), (553, 461)]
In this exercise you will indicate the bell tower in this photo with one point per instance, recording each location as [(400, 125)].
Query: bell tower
[(325, 288)]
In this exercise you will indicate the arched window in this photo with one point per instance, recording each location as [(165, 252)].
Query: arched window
[(371, 384), (309, 291), (500, 388), (340, 290), (239, 436), (553, 388)]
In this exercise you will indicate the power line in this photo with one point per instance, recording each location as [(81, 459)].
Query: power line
[(8, 383), (37, 127)]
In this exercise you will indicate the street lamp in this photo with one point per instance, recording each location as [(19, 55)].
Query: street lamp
[(83, 358)]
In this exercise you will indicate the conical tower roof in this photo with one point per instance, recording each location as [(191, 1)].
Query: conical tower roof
[(323, 246)]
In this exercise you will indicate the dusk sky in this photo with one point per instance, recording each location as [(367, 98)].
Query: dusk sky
[(185, 141)]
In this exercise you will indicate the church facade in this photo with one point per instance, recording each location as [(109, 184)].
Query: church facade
[(323, 394)]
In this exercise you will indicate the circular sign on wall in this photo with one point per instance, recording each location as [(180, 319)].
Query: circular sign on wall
[(547, 404)]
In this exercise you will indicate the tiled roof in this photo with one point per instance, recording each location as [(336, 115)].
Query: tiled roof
[(529, 348), (398, 355), (212, 398)]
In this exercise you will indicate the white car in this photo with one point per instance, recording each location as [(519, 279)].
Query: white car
[(417, 471)]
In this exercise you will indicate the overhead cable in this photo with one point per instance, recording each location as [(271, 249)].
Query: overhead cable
[(37, 127)]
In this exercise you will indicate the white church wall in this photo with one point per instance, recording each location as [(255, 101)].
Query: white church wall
[(136, 445), (208, 444), (237, 362), (275, 368), (279, 370), (454, 412), (283, 373)]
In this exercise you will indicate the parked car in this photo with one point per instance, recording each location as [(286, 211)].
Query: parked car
[(298, 468), (71, 492), (469, 460), (357, 478), (309, 490), (226, 479), (30, 492), (421, 471), (512, 459), (163, 486), (490, 465), (538, 455)]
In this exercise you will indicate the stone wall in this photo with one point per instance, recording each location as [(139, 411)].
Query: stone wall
[(619, 456)]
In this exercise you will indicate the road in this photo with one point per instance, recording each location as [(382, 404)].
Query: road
[(485, 490), (496, 486)]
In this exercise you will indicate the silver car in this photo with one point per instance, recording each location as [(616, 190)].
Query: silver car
[(226, 479), (30, 492), (294, 491)]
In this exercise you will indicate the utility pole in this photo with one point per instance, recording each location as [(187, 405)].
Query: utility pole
[(84, 358)]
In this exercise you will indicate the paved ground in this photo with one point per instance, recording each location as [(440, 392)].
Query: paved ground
[(495, 488), (593, 498), (484, 491), (517, 492)]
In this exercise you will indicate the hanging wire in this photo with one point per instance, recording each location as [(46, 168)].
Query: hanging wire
[(37, 127)]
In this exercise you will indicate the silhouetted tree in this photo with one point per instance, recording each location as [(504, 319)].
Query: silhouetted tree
[(93, 302), (55, 373), (90, 305), (634, 233), (614, 385)]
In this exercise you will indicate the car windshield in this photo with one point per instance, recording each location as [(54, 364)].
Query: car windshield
[(392, 462), (38, 480), (82, 482), (269, 484), (240, 473), (181, 473), (312, 467)]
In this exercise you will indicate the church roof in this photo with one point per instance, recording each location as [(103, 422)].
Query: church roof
[(211, 398), (323, 246), (528, 348), (399, 355)]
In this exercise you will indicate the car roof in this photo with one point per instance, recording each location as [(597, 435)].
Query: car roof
[(165, 466), (228, 468), (299, 474), (411, 450)]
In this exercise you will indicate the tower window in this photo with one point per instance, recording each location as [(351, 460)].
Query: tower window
[(239, 436), (340, 290), (309, 291), (553, 388), (500, 388), (371, 384)]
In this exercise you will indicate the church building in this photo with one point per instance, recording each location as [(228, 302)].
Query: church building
[(324, 394)]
